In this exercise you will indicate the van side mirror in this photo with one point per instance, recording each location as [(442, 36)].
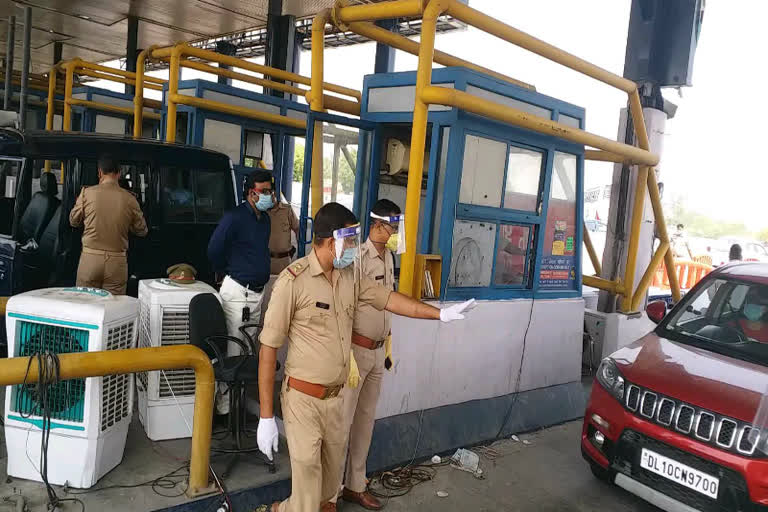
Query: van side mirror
[(656, 311)]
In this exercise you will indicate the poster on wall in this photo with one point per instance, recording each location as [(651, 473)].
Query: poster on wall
[(557, 272)]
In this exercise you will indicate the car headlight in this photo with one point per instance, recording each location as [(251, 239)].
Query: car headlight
[(609, 377)]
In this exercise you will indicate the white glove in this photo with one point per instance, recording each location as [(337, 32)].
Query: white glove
[(456, 311), (266, 436)]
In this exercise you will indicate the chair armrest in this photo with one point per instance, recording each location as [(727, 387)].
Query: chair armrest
[(247, 336)]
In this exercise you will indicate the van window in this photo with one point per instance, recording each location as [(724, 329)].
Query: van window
[(194, 195), (178, 198), (211, 195), (9, 174)]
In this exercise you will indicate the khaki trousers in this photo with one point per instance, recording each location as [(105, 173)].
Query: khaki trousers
[(360, 415), (103, 269), (316, 438)]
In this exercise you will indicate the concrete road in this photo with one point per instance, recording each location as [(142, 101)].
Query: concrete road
[(546, 475)]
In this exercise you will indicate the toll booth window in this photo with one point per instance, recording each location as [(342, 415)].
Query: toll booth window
[(211, 195), (482, 177), (472, 256), (258, 150), (558, 261), (512, 255), (178, 198), (523, 179)]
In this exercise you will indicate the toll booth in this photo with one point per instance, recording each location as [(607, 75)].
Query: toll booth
[(100, 120), (250, 143), (502, 207)]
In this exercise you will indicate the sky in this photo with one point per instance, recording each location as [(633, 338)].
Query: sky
[(712, 148)]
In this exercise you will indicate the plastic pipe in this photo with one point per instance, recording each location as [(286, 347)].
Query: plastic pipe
[(98, 364)]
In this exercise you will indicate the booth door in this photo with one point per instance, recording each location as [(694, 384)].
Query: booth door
[(347, 167)]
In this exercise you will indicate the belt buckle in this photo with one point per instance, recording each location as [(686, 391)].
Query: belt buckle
[(379, 344), (332, 392)]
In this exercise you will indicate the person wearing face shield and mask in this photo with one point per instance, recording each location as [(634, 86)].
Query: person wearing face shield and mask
[(238, 249), (371, 350), (313, 307)]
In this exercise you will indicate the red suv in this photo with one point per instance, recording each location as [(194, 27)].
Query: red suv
[(671, 417)]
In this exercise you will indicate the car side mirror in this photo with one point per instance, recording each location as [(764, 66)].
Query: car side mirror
[(656, 311)]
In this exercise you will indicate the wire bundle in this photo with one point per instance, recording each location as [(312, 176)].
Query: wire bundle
[(48, 375), (400, 481)]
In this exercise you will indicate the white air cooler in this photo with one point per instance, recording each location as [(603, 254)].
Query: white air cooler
[(89, 417), (164, 321)]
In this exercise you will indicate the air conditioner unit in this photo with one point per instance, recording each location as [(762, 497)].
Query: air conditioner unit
[(89, 417), (164, 320)]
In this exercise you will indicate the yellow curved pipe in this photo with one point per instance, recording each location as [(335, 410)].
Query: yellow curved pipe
[(98, 364)]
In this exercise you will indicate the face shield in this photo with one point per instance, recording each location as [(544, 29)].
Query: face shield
[(396, 223), (346, 243)]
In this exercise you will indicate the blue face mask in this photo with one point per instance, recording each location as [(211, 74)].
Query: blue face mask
[(265, 202), (347, 258), (754, 312)]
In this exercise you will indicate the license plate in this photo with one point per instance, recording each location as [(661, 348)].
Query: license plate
[(679, 473)]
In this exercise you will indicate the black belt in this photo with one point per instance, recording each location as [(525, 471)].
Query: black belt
[(283, 254), (251, 286)]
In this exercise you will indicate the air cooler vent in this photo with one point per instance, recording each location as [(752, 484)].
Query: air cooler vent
[(175, 331), (115, 403), (66, 397)]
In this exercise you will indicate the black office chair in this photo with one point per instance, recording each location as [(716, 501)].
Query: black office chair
[(208, 331)]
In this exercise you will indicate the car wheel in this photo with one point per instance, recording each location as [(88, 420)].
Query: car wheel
[(601, 473)]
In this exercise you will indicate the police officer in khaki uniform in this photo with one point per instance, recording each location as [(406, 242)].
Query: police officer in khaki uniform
[(369, 335), (313, 306), (284, 221), (108, 213)]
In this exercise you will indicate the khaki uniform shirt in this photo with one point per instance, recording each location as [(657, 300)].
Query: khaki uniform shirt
[(283, 221), (108, 213), (317, 316), (369, 321)]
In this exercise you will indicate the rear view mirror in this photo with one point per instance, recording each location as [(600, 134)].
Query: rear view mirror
[(656, 311)]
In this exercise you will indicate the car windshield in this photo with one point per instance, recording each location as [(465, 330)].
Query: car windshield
[(726, 316)]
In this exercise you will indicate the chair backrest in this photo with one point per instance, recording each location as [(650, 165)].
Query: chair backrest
[(206, 318), (40, 209)]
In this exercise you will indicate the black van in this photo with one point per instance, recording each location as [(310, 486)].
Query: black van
[(183, 192)]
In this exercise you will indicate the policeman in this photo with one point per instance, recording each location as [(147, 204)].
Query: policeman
[(370, 333), (313, 305), (284, 221), (109, 213)]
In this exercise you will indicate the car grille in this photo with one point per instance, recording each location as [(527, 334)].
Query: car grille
[(733, 494), (706, 426)]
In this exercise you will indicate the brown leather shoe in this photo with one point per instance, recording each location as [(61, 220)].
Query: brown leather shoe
[(328, 507), (364, 499)]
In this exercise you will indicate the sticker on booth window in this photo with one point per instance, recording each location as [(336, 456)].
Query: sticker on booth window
[(561, 226), (569, 244), (558, 248)]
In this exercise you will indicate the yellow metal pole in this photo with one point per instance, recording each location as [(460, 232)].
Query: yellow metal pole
[(3, 303), (66, 123), (591, 251), (379, 11), (503, 31), (51, 101), (382, 35), (645, 281), (316, 105), (116, 78), (138, 94), (661, 228), (97, 364), (106, 107), (235, 110), (638, 120), (173, 89), (605, 156), (603, 284), (119, 72), (634, 237), (483, 107), (418, 140)]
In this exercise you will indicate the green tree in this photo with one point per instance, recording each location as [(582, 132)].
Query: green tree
[(298, 163)]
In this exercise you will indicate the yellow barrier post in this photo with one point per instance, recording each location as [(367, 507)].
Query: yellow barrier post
[(591, 251), (98, 364), (173, 89), (66, 122), (418, 140), (316, 105), (51, 99), (634, 237), (645, 281), (661, 228)]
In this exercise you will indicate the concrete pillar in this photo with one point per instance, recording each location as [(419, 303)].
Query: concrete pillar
[(9, 46), (225, 48), (385, 54), (281, 41), (131, 49), (25, 63)]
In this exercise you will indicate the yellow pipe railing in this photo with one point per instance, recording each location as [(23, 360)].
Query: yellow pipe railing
[(108, 108), (426, 94), (235, 110), (591, 251), (634, 235), (661, 229), (14, 370), (647, 278)]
